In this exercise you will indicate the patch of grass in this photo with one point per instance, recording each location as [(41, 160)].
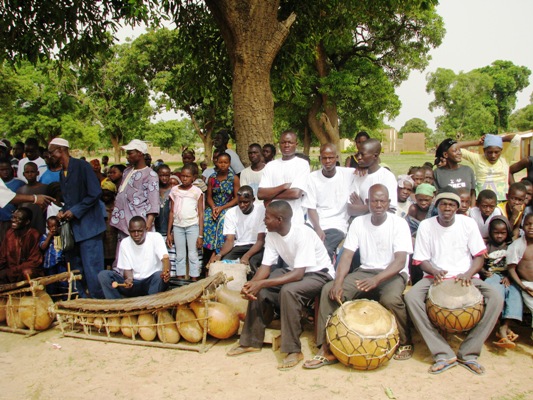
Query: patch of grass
[(515, 396)]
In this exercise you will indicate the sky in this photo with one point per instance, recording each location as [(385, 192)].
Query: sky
[(478, 32)]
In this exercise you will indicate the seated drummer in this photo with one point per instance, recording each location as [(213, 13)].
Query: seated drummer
[(449, 246), (384, 242), (144, 260), (20, 256), (287, 288), (244, 231)]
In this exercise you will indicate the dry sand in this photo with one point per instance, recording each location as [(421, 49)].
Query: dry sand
[(32, 368)]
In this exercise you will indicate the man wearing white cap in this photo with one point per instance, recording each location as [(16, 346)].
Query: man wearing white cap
[(81, 194), (138, 193)]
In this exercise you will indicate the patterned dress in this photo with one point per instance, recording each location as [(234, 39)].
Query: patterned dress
[(222, 194)]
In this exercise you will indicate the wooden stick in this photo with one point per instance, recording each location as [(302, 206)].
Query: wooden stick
[(115, 285)]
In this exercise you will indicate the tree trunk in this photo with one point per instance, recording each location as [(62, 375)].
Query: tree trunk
[(206, 134), (253, 36), (307, 141), (116, 148)]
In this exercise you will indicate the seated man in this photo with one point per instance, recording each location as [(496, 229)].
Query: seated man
[(384, 243), (20, 256), (327, 197), (450, 246), (244, 231), (308, 269), (144, 259)]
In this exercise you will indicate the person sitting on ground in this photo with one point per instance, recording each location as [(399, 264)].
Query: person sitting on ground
[(513, 208), (327, 196), (492, 167), (494, 272), (486, 208), (307, 268), (244, 231), (20, 257), (143, 258), (33, 187), (269, 152), (422, 209), (466, 201), (384, 244), (449, 246), (405, 188), (251, 176), (520, 263)]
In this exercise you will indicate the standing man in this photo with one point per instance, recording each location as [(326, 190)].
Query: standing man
[(384, 242), (31, 149), (449, 246), (369, 173), (220, 141), (327, 197), (287, 288), (251, 175), (138, 194), (269, 152), (81, 194), (285, 178)]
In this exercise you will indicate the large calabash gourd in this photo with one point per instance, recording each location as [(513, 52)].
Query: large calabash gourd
[(113, 324), (188, 326), (34, 310), (12, 313), (167, 331), (222, 323), (147, 328), (3, 312), (234, 300), (128, 325)]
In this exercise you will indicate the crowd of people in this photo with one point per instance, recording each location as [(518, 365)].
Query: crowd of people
[(337, 233)]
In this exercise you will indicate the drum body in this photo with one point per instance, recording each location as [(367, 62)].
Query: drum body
[(236, 271), (454, 308), (362, 334)]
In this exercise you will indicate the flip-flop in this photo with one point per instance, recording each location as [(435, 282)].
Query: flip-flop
[(403, 352), (510, 335), (288, 364), (505, 343), (473, 366), (446, 365), (237, 350), (322, 361)]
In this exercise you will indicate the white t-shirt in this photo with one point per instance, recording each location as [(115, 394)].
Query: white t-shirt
[(516, 250), (236, 164), (41, 167), (361, 185), (245, 227), (449, 248), (300, 248), (294, 171), (377, 244), (252, 178), (145, 259), (475, 214), (330, 197)]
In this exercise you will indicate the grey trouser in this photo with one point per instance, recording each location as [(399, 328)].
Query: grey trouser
[(389, 295), (438, 346), (289, 298)]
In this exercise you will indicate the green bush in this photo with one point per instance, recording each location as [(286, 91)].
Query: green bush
[(412, 152)]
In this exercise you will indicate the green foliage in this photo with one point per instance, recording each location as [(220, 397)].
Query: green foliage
[(415, 125), (522, 119), (405, 153), (171, 135)]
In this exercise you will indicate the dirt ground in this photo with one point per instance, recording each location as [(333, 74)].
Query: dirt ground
[(34, 368)]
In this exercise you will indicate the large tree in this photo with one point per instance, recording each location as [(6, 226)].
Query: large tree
[(415, 125), (522, 119)]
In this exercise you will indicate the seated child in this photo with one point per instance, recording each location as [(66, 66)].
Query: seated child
[(520, 262), (466, 200), (405, 188), (513, 208), (54, 261), (422, 208), (486, 208), (494, 272), (20, 256)]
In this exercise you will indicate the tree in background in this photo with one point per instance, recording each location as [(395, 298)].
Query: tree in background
[(415, 125), (522, 119), (171, 135)]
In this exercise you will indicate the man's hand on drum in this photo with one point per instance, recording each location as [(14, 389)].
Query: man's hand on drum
[(439, 276), (465, 279), (367, 284), (250, 289), (335, 293)]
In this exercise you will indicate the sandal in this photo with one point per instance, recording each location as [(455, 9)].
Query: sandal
[(473, 366), (505, 343), (510, 335), (237, 350), (291, 361), (442, 365), (321, 362), (404, 352)]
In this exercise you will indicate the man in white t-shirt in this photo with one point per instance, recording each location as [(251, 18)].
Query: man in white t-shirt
[(145, 263), (286, 288), (244, 231), (327, 196), (285, 178), (384, 242), (251, 175), (450, 246), (368, 173)]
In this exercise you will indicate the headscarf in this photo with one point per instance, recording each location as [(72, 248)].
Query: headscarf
[(425, 189), (107, 184), (405, 178), (492, 140)]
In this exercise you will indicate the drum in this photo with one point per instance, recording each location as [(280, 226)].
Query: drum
[(237, 271), (453, 307), (362, 334)]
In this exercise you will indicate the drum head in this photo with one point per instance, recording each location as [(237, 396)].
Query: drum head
[(367, 317), (452, 295)]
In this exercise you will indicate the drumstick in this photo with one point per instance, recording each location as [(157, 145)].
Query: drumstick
[(115, 285)]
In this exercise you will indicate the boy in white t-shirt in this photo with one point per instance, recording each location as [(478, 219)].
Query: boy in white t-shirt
[(144, 260), (450, 246)]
